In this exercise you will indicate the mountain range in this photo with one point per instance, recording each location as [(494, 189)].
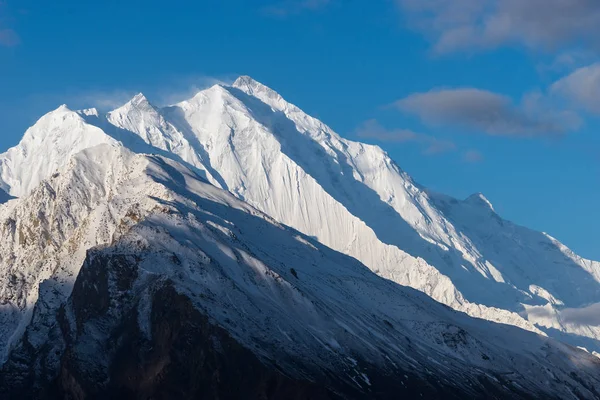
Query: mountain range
[(233, 242)]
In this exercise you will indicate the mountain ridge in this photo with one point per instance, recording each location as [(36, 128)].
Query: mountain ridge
[(142, 278), (354, 198)]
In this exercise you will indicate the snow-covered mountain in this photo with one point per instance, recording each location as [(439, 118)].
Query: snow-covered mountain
[(127, 275), (350, 196), (45, 147)]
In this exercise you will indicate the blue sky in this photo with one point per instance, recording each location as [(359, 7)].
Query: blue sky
[(493, 96)]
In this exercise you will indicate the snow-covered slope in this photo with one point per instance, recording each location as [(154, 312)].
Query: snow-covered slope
[(353, 198), (177, 272), (139, 116), (45, 235), (45, 147)]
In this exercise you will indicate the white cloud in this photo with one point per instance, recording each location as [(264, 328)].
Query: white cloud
[(175, 90), (472, 156), (9, 38), (487, 112), (581, 88), (459, 25), (589, 315), (185, 87), (372, 129), (569, 60), (103, 100)]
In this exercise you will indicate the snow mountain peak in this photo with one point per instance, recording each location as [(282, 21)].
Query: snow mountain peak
[(139, 97), (479, 199), (245, 81), (46, 147), (138, 101), (262, 92)]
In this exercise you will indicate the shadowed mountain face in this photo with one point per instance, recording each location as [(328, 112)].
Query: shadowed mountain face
[(134, 277), (180, 353), (349, 196)]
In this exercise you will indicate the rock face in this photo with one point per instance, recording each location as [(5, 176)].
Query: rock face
[(135, 277), (181, 355)]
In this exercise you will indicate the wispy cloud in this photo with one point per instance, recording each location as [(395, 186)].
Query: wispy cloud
[(292, 7), (174, 90), (372, 129), (467, 25), (581, 88), (582, 316), (568, 61), (472, 156), (185, 87), (487, 112), (9, 38), (589, 315), (103, 100)]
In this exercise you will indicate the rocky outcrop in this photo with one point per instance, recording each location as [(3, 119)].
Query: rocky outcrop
[(98, 350)]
